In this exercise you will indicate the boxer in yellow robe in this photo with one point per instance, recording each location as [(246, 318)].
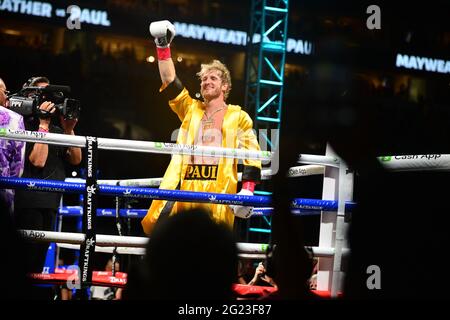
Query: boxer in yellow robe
[(211, 122)]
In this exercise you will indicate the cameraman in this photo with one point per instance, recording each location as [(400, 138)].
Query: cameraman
[(37, 210)]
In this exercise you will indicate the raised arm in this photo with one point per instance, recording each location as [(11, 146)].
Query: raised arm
[(164, 32)]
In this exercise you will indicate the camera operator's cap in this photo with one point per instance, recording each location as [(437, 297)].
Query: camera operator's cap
[(33, 80)]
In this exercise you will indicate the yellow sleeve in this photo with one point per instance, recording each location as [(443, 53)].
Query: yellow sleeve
[(181, 104), (247, 138)]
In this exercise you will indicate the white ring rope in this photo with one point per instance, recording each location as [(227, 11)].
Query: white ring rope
[(422, 162), (256, 256), (141, 251), (145, 182), (439, 162), (119, 250), (396, 163), (307, 170), (103, 240), (298, 171), (322, 252), (321, 160), (134, 145)]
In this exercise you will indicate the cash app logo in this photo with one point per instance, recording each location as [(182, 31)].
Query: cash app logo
[(266, 154), (2, 131), (385, 158)]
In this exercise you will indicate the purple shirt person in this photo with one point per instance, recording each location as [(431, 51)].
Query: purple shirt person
[(12, 153)]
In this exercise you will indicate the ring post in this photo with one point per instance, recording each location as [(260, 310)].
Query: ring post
[(89, 213), (337, 185)]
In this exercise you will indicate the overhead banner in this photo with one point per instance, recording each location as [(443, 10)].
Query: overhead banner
[(422, 63), (74, 16), (72, 13), (235, 37)]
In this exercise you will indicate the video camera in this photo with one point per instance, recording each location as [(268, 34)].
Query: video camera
[(27, 101)]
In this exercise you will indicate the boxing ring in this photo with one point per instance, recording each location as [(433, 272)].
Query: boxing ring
[(337, 200)]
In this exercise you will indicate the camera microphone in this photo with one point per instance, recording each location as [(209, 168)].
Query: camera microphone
[(56, 88)]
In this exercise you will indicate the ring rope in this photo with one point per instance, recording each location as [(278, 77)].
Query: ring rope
[(298, 171), (120, 250), (424, 162), (78, 238), (99, 278), (256, 256), (77, 211), (106, 279), (439, 162), (421, 162), (171, 195), (135, 145), (319, 160), (141, 251), (140, 242), (145, 182)]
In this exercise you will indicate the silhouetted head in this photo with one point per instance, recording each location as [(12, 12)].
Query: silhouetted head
[(190, 256)]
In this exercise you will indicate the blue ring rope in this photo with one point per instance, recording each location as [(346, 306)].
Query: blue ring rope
[(162, 194), (77, 211)]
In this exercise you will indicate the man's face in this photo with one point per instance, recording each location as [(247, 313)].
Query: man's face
[(211, 86), (3, 93)]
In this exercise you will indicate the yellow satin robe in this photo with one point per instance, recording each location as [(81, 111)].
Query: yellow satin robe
[(237, 132)]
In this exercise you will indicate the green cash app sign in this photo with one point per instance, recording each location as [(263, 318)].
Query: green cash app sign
[(266, 154), (385, 158), (2, 131)]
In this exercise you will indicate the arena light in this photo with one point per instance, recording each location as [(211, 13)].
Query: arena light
[(11, 32), (150, 59)]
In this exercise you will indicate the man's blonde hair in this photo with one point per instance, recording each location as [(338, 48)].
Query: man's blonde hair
[(217, 65)]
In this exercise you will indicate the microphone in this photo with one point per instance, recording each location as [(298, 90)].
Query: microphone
[(56, 88)]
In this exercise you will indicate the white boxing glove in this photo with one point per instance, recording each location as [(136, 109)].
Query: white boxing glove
[(240, 211), (163, 32)]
